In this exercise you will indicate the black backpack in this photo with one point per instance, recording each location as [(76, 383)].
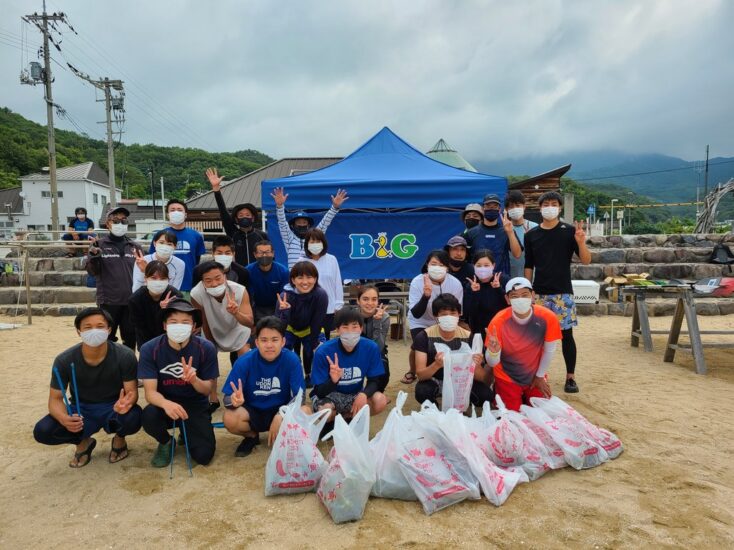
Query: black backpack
[(721, 255)]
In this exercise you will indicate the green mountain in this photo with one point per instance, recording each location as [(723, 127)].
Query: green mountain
[(24, 151)]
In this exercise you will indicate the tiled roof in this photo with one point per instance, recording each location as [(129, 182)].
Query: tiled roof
[(12, 197), (85, 171)]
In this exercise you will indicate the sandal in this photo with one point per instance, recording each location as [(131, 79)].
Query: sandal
[(87, 452), (118, 451), (408, 378)]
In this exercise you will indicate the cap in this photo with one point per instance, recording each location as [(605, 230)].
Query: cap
[(516, 283), (458, 240), (179, 304), (472, 207), (492, 197), (303, 215), (116, 209)]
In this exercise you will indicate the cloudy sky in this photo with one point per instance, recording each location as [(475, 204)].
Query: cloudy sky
[(496, 79)]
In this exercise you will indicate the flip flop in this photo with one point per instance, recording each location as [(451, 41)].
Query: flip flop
[(408, 378), (86, 452), (118, 451)]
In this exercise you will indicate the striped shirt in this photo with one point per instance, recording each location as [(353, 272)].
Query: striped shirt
[(294, 244)]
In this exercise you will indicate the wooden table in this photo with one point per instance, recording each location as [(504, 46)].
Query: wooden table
[(685, 307)]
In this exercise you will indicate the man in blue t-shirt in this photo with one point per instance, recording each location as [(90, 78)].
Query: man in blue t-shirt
[(346, 370), (495, 233), (190, 247), (80, 229), (267, 279), (179, 371), (260, 382)]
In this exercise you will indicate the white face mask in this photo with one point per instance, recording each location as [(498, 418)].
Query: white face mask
[(94, 337), (483, 273), (118, 229), (521, 305), (217, 291), (316, 248), (350, 339), (177, 217), (177, 332), (549, 212), (448, 322), (224, 259), (164, 250), (436, 272), (515, 213), (156, 286)]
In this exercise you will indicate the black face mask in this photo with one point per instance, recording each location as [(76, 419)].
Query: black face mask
[(265, 261), (455, 263), (300, 231), (471, 222), (245, 223), (491, 215)]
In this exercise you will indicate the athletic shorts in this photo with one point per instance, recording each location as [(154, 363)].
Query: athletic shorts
[(260, 419), (562, 305), (342, 402)]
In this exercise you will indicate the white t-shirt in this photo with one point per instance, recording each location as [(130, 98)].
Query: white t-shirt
[(450, 285), (176, 268), (330, 279)]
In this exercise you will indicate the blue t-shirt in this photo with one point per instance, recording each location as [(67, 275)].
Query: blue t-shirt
[(267, 384), (190, 248), (362, 362), (266, 285), (79, 225), (494, 239), (159, 360)]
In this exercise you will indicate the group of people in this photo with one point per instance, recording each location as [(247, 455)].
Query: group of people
[(287, 328)]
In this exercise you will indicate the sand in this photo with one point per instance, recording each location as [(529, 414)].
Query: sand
[(673, 487)]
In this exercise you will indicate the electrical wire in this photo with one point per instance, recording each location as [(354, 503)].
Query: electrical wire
[(650, 172)]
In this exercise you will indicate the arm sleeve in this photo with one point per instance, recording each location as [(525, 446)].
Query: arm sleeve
[(419, 309), (284, 314), (227, 221), (285, 232), (322, 390), (549, 349), (380, 330), (339, 287), (417, 302), (317, 317), (327, 219), (372, 385)]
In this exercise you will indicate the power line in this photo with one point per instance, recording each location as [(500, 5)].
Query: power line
[(651, 172)]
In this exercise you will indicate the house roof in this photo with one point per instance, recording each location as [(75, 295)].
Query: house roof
[(555, 173), (247, 188), (12, 197), (443, 152), (137, 211), (86, 171)]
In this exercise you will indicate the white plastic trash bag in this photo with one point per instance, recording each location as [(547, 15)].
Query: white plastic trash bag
[(536, 458), (295, 464), (458, 374), (345, 486)]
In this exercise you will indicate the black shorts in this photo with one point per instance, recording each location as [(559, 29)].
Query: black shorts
[(260, 419)]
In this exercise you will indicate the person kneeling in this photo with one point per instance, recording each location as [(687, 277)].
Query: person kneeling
[(104, 374), (179, 371), (347, 371), (260, 382), (429, 364)]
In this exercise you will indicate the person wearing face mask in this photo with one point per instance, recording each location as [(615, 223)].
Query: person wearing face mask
[(520, 344), (164, 242), (549, 249), (294, 231), (433, 281), (459, 266), (190, 246), (347, 371), (515, 207), (484, 293), (330, 277), (105, 374), (179, 370), (495, 233), (429, 363), (241, 225), (79, 232), (223, 253), (148, 302), (472, 216), (111, 259), (267, 280)]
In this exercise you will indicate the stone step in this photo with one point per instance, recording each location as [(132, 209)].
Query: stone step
[(675, 241), (45, 278), (651, 255), (692, 271), (50, 264), (48, 295), (53, 310), (658, 307)]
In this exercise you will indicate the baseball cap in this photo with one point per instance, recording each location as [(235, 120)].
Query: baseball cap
[(118, 210), (516, 283), (179, 304), (472, 207), (458, 240), (492, 197)]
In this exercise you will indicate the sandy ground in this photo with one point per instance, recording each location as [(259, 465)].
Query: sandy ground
[(673, 487)]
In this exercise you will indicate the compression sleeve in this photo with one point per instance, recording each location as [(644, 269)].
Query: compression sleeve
[(549, 349)]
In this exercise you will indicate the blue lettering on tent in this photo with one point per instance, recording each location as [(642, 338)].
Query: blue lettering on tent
[(402, 246), (361, 246)]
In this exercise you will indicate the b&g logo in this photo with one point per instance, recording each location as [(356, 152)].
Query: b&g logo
[(401, 246)]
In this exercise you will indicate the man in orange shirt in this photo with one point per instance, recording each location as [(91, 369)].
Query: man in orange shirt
[(520, 344)]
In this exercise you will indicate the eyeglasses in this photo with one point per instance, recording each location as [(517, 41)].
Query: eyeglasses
[(119, 220)]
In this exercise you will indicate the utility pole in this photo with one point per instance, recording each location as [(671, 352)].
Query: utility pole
[(41, 21), (152, 191), (706, 176), (163, 202)]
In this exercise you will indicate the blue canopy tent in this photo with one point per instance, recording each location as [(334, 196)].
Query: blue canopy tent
[(401, 205)]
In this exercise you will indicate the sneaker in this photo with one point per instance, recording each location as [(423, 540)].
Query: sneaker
[(247, 446), (309, 384), (162, 456), (571, 386)]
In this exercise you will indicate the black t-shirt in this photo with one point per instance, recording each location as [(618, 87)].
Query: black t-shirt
[(481, 306), (549, 252), (465, 271), (100, 384), (146, 313), (426, 341)]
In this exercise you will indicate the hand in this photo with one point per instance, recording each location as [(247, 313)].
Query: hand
[(174, 411), (379, 312), (539, 382), (214, 179), (274, 429), (279, 197), (93, 248), (140, 260), (473, 283), (580, 234), (237, 398), (338, 199), (124, 402), (164, 302), (189, 372), (73, 423), (495, 281), (477, 360), (427, 286), (506, 223), (493, 343), (283, 301), (438, 361), (335, 373), (232, 306), (359, 402), (75, 235)]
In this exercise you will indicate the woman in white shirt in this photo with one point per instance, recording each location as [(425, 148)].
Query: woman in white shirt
[(165, 243), (330, 277)]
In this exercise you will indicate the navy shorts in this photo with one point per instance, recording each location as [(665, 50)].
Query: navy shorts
[(260, 419)]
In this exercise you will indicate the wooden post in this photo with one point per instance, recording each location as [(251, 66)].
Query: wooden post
[(693, 333), (644, 320), (27, 273), (674, 331)]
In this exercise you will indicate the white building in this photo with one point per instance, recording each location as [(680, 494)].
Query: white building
[(80, 185)]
